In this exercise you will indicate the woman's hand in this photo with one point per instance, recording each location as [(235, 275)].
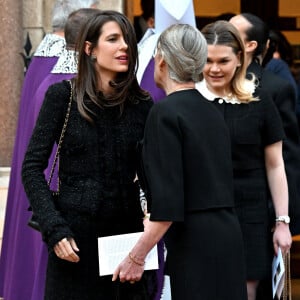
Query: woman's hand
[(65, 249), (282, 237), (130, 269)]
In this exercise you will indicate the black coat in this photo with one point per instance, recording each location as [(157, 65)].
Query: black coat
[(283, 95), (188, 167)]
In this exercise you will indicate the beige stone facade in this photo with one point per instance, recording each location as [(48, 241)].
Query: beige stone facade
[(17, 18), (37, 16), (11, 73)]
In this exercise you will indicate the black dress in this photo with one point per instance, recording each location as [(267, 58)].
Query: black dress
[(188, 171), (252, 127), (284, 98), (97, 168)]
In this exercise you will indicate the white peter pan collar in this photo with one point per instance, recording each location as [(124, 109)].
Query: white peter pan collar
[(202, 88)]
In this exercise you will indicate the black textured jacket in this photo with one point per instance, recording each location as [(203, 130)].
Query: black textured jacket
[(97, 165)]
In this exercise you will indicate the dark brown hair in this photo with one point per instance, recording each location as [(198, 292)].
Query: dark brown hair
[(125, 85), (74, 23)]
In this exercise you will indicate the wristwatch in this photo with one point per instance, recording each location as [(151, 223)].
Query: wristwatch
[(284, 219)]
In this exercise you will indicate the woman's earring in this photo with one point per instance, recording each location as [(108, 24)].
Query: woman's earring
[(93, 57)]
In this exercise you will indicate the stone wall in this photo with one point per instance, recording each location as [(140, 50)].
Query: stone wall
[(37, 17)]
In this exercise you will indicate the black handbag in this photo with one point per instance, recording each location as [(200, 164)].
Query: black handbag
[(33, 222)]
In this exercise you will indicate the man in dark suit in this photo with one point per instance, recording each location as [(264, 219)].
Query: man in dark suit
[(255, 32)]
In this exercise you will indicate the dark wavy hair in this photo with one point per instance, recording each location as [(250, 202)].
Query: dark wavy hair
[(74, 23), (278, 42), (125, 86)]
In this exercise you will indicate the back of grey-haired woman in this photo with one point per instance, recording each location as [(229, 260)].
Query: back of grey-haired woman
[(188, 181)]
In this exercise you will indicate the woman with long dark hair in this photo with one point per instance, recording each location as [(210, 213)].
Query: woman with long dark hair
[(97, 165)]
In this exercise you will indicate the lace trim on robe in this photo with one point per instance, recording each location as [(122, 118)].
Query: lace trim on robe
[(66, 64), (52, 45)]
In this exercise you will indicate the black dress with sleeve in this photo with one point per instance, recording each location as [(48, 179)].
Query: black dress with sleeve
[(252, 126), (188, 170), (284, 97), (98, 196)]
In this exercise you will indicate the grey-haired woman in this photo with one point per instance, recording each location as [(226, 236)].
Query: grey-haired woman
[(188, 179)]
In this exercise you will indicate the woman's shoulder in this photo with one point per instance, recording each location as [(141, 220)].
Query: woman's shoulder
[(144, 104), (178, 103), (57, 97), (266, 103), (263, 95), (181, 98), (59, 91), (63, 86)]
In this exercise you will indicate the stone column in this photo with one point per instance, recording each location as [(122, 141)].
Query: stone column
[(112, 4), (36, 20), (124, 6), (11, 74), (47, 14)]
